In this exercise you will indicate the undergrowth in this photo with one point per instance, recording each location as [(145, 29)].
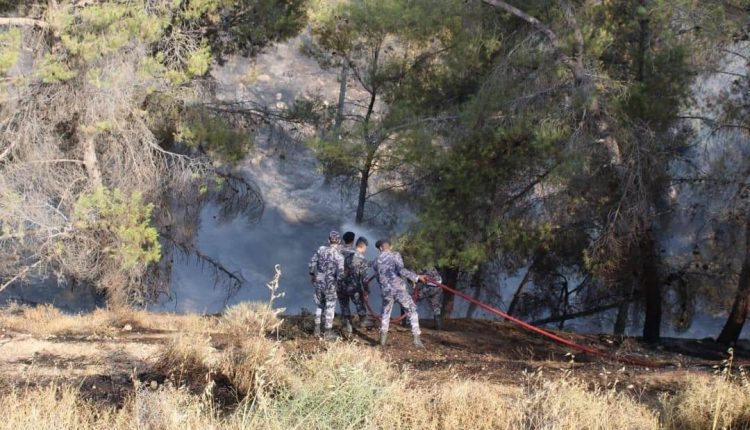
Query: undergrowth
[(344, 386)]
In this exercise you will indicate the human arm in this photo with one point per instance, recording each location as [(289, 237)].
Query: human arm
[(340, 273), (404, 272), (359, 269), (312, 266)]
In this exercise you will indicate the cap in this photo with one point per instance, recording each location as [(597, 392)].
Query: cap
[(334, 237)]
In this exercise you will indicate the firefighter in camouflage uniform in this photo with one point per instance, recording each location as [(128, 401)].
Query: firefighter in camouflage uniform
[(326, 272)]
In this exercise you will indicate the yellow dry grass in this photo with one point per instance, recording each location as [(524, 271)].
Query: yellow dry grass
[(47, 320), (343, 387), (708, 402), (52, 408)]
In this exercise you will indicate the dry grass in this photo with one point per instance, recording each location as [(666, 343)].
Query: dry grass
[(709, 403), (182, 323), (47, 320), (350, 387), (486, 406), (249, 318), (168, 408), (187, 360), (340, 388), (256, 365), (344, 387), (568, 403), (52, 408)]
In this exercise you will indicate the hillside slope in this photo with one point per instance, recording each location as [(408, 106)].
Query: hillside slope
[(104, 351)]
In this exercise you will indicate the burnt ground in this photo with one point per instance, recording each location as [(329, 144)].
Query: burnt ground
[(501, 352), (104, 366)]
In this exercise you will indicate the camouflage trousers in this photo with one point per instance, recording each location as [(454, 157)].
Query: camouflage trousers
[(402, 297), (325, 300), (433, 296), (354, 295)]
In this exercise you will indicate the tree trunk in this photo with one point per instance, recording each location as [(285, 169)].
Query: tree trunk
[(342, 97), (621, 323), (451, 279), (476, 283), (91, 161), (565, 303), (517, 295), (372, 149), (651, 289), (733, 327), (362, 199)]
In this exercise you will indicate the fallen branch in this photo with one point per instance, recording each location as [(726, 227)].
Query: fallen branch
[(581, 314), (23, 22)]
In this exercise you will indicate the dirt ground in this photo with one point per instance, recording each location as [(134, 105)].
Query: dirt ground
[(104, 365)]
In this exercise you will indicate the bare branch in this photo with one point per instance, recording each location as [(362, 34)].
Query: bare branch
[(573, 64), (588, 312), (20, 275), (23, 22)]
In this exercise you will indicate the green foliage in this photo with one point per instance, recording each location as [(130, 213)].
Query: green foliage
[(105, 29), (247, 26), (339, 155), (10, 46), (96, 32), (524, 122), (199, 61), (123, 221), (212, 133), (52, 70), (390, 48), (644, 49)]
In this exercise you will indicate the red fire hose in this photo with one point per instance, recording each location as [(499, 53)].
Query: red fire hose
[(636, 361), (593, 351)]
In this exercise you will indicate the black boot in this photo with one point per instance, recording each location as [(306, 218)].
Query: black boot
[(438, 322), (330, 335), (418, 342), (366, 322)]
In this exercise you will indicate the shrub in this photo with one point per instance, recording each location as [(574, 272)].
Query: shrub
[(341, 388), (249, 319), (256, 366), (186, 361)]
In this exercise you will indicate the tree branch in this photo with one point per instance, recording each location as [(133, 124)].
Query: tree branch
[(20, 275), (581, 314), (23, 22), (574, 66)]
